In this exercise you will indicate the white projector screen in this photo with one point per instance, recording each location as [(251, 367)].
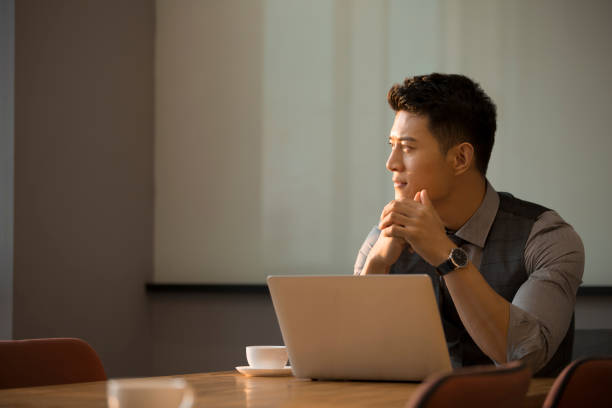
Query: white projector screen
[(271, 123)]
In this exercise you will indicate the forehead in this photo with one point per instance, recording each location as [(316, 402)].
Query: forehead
[(407, 125)]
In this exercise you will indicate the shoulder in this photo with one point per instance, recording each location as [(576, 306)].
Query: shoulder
[(513, 222), (515, 206), (553, 242)]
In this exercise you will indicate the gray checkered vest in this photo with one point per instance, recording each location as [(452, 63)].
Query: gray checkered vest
[(503, 267)]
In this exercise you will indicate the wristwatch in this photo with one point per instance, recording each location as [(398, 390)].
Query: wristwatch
[(458, 258)]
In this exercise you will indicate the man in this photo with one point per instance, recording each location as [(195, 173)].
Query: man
[(505, 271)]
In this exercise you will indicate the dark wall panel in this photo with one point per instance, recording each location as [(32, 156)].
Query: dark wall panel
[(84, 175), (7, 53)]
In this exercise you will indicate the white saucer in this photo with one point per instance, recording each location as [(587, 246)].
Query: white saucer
[(264, 372)]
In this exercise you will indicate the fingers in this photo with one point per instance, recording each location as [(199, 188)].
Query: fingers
[(424, 198), (405, 208), (386, 210), (395, 231), (393, 218)]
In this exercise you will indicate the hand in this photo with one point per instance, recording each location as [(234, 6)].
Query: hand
[(417, 223), (385, 252)]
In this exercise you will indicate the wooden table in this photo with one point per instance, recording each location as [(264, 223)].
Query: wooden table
[(230, 389)]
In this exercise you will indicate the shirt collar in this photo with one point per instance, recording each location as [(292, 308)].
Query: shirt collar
[(476, 229)]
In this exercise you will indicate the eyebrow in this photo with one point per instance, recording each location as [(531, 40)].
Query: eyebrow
[(403, 139)]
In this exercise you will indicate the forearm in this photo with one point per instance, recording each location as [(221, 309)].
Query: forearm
[(484, 313)]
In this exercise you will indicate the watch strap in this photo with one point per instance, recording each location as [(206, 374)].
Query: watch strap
[(446, 267), (457, 259)]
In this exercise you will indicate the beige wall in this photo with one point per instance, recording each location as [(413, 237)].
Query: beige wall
[(271, 121), (263, 110), (84, 175), (208, 62)]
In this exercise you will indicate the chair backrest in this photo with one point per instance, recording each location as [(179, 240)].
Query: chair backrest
[(475, 387), (28, 363), (586, 382)]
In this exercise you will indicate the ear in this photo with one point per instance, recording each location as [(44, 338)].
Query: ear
[(461, 157)]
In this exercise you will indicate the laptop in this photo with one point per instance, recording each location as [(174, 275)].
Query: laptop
[(375, 327)]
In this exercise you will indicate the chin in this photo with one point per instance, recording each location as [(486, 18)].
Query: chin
[(403, 194)]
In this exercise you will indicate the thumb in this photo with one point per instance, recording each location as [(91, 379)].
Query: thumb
[(417, 197), (425, 198)]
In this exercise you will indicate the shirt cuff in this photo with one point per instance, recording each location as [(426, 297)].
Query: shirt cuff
[(526, 339), (364, 251)]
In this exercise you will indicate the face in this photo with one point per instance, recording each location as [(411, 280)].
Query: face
[(416, 160)]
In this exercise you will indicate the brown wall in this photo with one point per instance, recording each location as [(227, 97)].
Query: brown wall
[(84, 175), (84, 201), (7, 64), (204, 331)]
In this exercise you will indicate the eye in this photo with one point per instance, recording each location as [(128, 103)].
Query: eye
[(407, 148), (403, 145)]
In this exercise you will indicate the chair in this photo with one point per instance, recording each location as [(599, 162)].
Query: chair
[(475, 387), (586, 382), (28, 363)]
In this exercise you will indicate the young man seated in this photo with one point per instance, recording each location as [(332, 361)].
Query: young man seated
[(505, 271)]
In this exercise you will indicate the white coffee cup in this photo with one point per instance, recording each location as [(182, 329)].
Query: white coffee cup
[(150, 393), (267, 357)]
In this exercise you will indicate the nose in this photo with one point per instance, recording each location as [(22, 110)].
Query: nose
[(395, 162)]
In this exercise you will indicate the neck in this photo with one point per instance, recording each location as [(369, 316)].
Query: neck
[(463, 200)]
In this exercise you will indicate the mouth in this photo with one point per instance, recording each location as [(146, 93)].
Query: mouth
[(399, 184)]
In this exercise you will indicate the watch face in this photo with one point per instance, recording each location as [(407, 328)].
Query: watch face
[(459, 257)]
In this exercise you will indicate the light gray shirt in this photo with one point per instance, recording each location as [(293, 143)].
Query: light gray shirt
[(542, 309)]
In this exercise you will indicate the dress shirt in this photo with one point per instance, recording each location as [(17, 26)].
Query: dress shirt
[(542, 309)]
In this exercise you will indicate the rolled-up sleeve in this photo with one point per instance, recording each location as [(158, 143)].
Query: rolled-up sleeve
[(367, 245), (542, 309)]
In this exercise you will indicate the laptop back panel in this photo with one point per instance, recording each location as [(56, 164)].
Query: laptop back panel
[(382, 327)]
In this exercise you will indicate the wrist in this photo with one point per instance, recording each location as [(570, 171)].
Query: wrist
[(444, 253), (376, 265)]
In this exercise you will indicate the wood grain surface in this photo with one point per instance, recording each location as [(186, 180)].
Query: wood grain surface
[(230, 389)]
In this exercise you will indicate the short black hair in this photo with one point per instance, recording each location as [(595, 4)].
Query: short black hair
[(457, 108)]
